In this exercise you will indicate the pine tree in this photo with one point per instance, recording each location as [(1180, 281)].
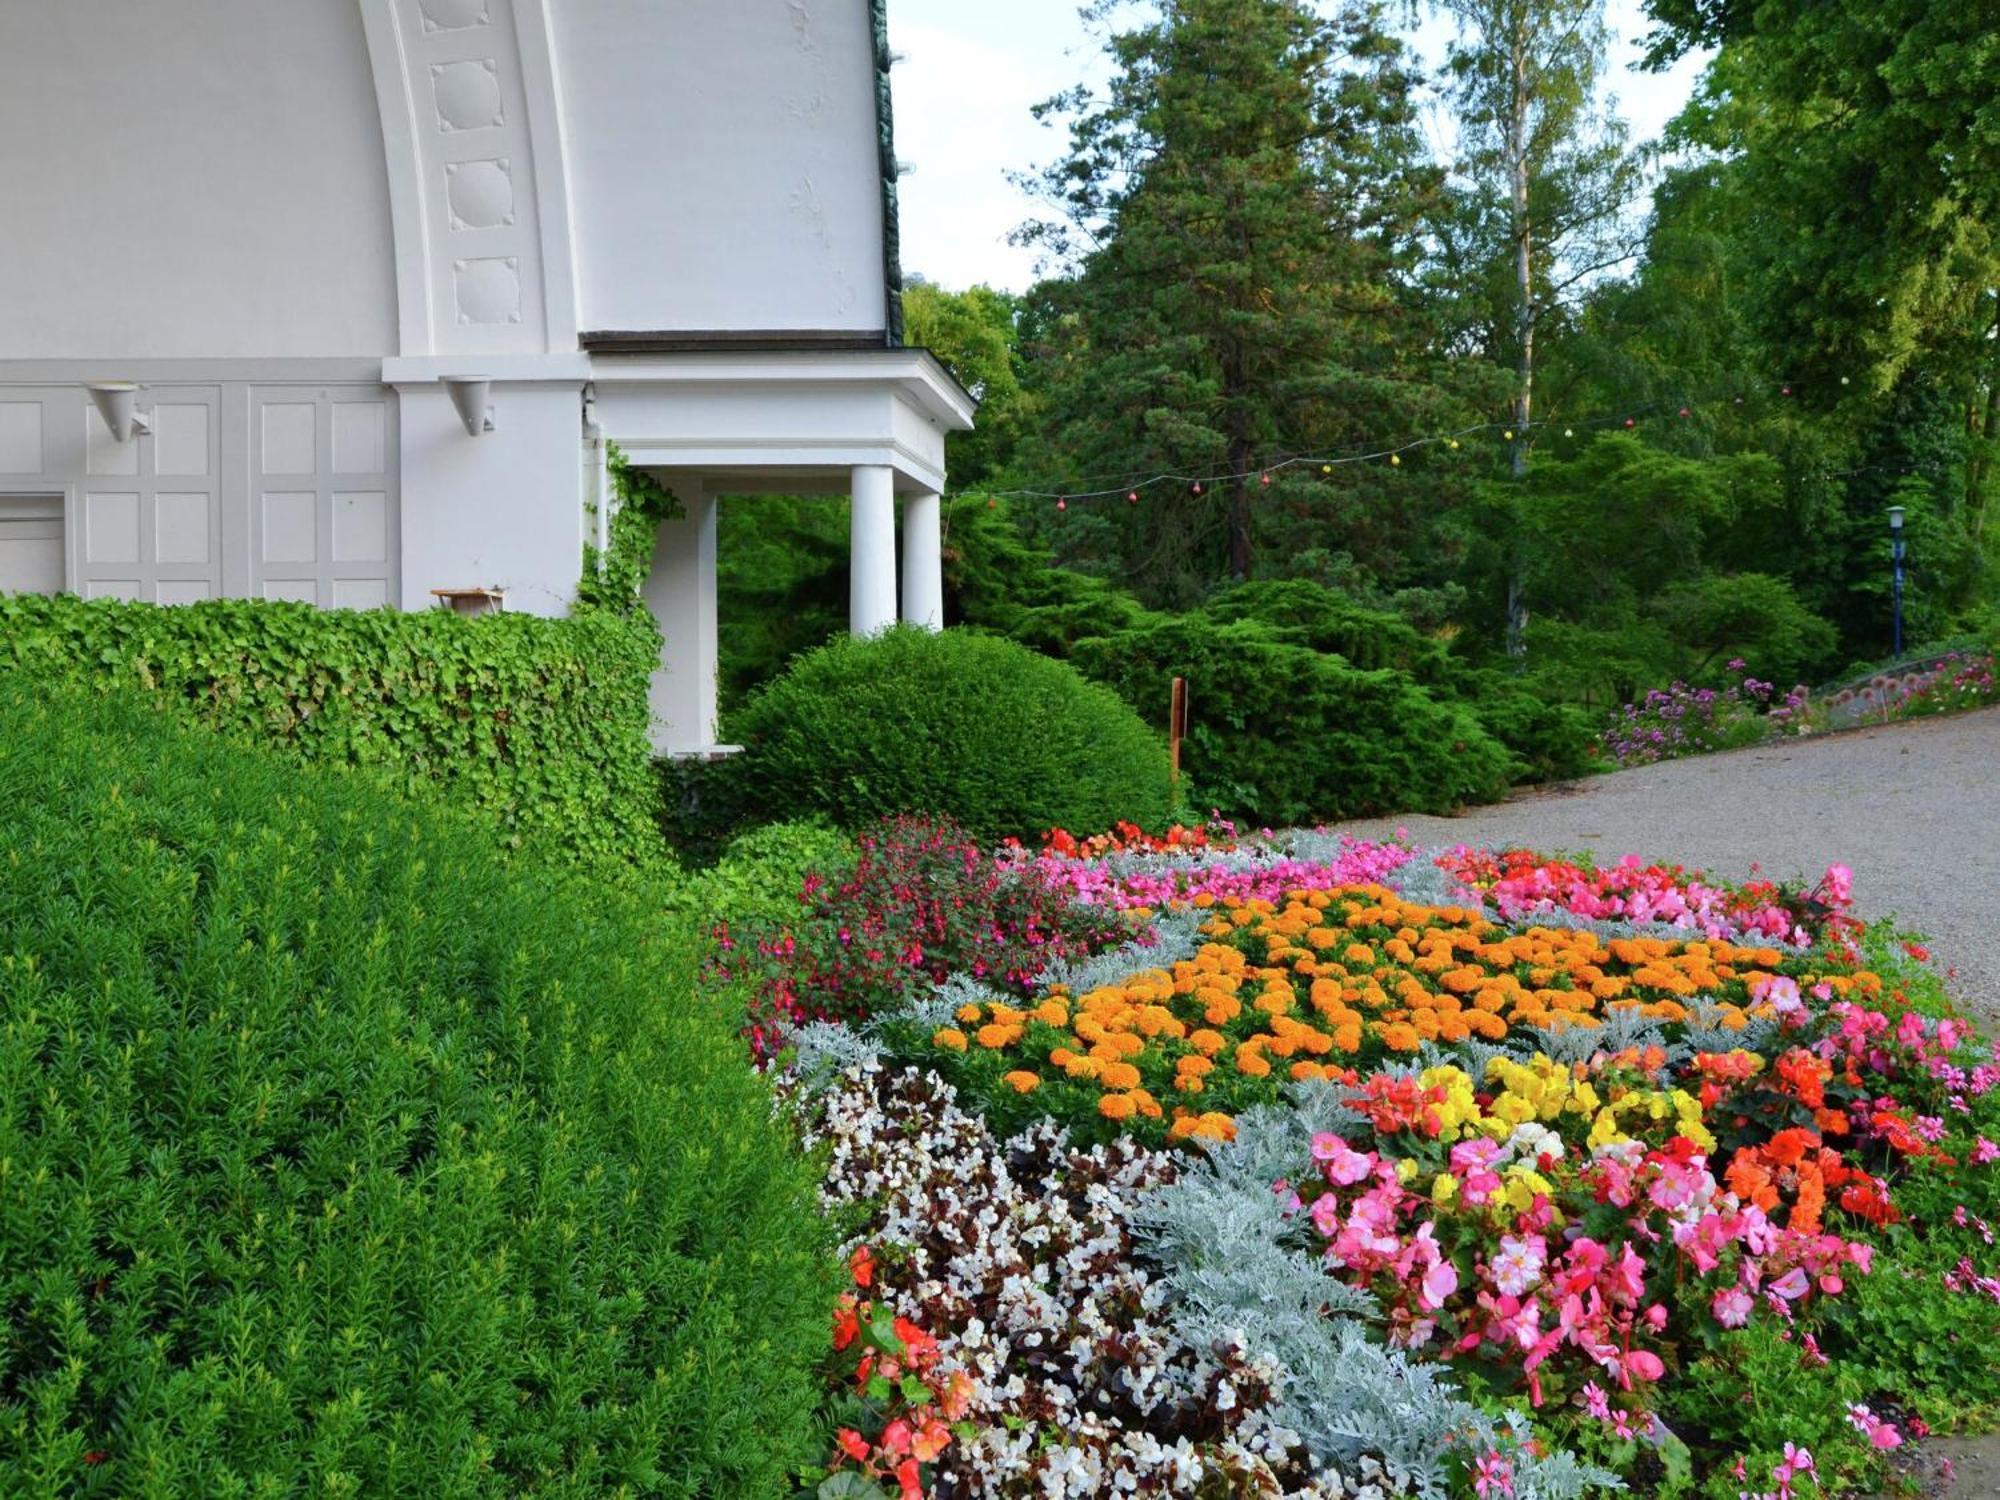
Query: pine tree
[(1237, 215)]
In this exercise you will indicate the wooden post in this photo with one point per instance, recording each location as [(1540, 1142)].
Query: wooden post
[(1177, 725)]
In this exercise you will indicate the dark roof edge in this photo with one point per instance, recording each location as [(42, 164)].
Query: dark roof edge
[(885, 130), (730, 340)]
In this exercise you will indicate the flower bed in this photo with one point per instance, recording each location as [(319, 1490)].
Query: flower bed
[(1333, 1167)]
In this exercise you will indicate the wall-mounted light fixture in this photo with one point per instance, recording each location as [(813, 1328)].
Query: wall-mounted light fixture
[(116, 402), (468, 394)]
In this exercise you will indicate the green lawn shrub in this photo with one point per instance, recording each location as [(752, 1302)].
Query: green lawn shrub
[(955, 724), (341, 1156), (541, 723), (1282, 733)]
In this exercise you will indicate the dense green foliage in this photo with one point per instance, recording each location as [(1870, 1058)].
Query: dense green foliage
[(1286, 734), (540, 723), (343, 1157), (955, 724), (1306, 704)]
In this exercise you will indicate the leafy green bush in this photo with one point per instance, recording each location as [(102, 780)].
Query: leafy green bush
[(1282, 733), (343, 1157), (540, 722), (758, 877), (1547, 738), (955, 724)]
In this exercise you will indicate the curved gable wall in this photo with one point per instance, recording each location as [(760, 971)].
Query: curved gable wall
[(724, 164), (191, 178)]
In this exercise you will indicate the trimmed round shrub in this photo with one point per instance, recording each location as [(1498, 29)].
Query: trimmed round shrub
[(956, 724), (340, 1156)]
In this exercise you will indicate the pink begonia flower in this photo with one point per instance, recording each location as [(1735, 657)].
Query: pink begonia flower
[(1439, 1282), (1326, 1214), (1518, 1265), (1628, 1280), (1984, 1151), (1839, 884), (1732, 1306), (1645, 1364), (1793, 1285), (1326, 1144), (1656, 1318), (1596, 1402)]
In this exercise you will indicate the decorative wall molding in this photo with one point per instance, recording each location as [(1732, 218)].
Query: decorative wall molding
[(472, 134)]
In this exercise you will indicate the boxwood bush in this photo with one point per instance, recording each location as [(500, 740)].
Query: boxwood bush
[(963, 726), (338, 1156)]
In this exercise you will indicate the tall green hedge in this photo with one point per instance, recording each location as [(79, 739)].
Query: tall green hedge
[(542, 723), (969, 727), (1286, 734), (341, 1156)]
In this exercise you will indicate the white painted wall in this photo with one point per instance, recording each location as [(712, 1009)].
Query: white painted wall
[(191, 178), (723, 163), (499, 510)]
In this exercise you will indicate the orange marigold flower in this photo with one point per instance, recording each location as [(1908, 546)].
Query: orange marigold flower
[(1250, 1062), (1117, 1107), (1207, 1042), (950, 1036), (1022, 1081), (1119, 1075)]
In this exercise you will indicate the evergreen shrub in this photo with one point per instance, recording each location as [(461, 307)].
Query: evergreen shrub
[(968, 727), (1282, 733), (339, 1155), (542, 723)]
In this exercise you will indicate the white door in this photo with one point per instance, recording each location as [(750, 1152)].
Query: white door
[(31, 544)]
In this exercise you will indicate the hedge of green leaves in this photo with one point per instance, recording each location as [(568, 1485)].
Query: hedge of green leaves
[(540, 722), (1287, 734), (340, 1156), (958, 725)]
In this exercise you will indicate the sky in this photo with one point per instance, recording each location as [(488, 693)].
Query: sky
[(972, 70)]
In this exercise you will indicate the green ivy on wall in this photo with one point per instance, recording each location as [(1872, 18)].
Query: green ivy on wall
[(540, 723), (611, 578), (543, 724)]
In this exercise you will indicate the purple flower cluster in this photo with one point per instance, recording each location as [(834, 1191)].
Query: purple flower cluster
[(1681, 719)]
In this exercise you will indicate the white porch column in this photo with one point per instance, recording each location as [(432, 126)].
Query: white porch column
[(871, 597), (680, 591), (923, 561)]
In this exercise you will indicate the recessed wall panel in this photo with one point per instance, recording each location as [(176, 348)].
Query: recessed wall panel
[(288, 438), (360, 526), (111, 528), (180, 440), (183, 591), (359, 437), (359, 593), (291, 526), (181, 527)]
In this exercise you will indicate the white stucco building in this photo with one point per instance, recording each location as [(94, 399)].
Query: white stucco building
[(293, 224)]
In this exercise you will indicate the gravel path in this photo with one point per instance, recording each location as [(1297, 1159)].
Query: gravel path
[(1913, 808)]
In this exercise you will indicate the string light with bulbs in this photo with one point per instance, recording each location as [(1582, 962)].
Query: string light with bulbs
[(1134, 487)]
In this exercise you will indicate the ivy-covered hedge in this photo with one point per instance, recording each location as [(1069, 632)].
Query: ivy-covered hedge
[(539, 722), (340, 1155)]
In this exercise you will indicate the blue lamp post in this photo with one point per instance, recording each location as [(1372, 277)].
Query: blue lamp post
[(1896, 584)]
